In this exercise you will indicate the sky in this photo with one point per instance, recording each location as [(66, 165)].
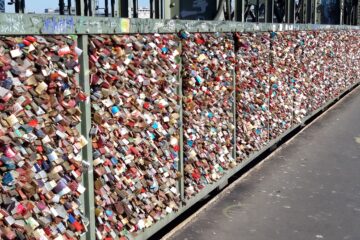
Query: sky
[(38, 6)]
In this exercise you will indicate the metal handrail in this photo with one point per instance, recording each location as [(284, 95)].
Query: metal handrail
[(22, 24)]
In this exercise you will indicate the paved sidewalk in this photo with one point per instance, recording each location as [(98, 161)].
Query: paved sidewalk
[(310, 189)]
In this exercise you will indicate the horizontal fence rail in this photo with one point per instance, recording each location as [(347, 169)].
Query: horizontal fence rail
[(21, 24), (167, 114)]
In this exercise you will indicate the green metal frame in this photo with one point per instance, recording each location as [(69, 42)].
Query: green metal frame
[(23, 24)]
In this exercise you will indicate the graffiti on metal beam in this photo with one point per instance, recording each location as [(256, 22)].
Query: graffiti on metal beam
[(165, 26), (85, 24), (101, 25), (11, 23), (58, 24)]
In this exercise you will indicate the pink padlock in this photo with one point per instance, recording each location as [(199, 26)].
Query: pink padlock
[(9, 152)]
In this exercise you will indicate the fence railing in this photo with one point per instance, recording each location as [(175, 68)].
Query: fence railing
[(165, 118)]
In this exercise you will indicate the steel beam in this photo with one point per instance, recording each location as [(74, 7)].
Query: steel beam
[(302, 11), (85, 7), (92, 7), (61, 7), (69, 7), (171, 9), (228, 10), (240, 10), (19, 6), (78, 7), (342, 15), (22, 6), (162, 9), (308, 11), (112, 7), (123, 8), (135, 9), (157, 9), (106, 8), (269, 11), (167, 9), (317, 12), (290, 11), (315, 18), (358, 13), (151, 8)]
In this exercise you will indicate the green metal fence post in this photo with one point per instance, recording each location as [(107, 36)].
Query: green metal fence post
[(269, 11), (181, 143), (85, 107), (271, 62), (292, 91), (240, 10), (234, 100), (82, 197), (88, 179), (234, 112)]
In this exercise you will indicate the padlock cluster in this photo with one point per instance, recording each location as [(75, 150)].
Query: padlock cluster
[(284, 77), (40, 161), (281, 102), (151, 96), (135, 130), (253, 70), (208, 62)]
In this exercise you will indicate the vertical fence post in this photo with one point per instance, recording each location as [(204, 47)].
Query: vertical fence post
[(309, 16), (292, 17), (302, 75), (269, 11), (257, 5), (234, 75), (239, 10), (234, 110), (310, 104), (317, 14), (342, 9), (292, 89), (324, 78), (151, 8), (157, 9), (123, 8), (82, 197), (346, 69), (271, 61), (88, 177), (181, 129)]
